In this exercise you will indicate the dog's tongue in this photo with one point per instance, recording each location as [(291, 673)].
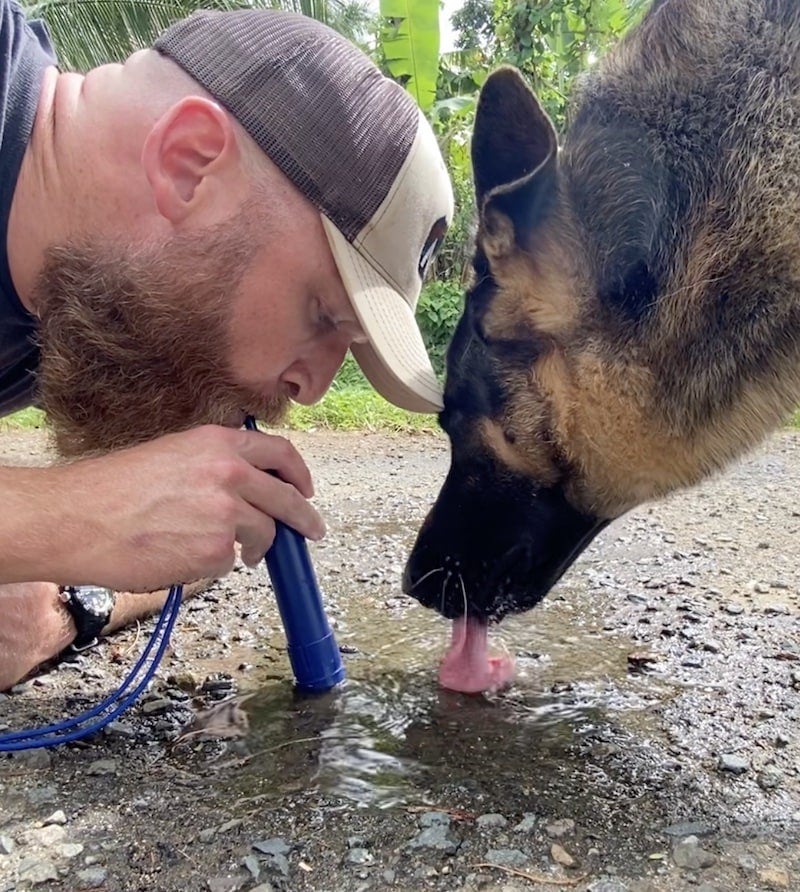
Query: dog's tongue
[(467, 666)]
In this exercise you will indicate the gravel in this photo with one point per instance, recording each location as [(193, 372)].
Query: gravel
[(649, 743)]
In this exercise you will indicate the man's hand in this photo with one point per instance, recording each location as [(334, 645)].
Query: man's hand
[(164, 512)]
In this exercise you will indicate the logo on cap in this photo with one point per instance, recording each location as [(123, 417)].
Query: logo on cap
[(431, 246)]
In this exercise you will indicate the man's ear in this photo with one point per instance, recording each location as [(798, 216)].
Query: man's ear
[(189, 146), (514, 160)]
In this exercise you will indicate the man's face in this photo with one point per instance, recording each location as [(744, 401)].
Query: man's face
[(137, 341)]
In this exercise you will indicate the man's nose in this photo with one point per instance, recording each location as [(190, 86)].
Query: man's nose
[(310, 379)]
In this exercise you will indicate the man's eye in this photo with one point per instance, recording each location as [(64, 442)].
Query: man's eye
[(323, 319)]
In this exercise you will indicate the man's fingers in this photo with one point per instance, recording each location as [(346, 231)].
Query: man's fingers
[(275, 499), (279, 456)]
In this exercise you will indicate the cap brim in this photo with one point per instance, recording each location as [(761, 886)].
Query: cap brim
[(394, 358)]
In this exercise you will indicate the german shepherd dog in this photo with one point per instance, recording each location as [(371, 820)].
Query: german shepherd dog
[(633, 320)]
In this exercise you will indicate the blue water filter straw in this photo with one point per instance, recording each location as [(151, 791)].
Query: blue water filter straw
[(313, 652)]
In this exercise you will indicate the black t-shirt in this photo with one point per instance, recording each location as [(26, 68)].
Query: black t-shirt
[(25, 52)]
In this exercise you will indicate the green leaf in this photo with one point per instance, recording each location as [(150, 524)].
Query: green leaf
[(410, 42)]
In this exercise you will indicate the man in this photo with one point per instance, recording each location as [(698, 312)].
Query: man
[(196, 234)]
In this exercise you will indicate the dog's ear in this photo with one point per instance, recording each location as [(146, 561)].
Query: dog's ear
[(514, 161)]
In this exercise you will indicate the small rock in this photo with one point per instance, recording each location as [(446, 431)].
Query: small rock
[(274, 846), (35, 760), (358, 857), (157, 706), (45, 836), (58, 817), (263, 887), (438, 837), (119, 729), (225, 884), (687, 853), (91, 878), (775, 878), (770, 777), (37, 870), (278, 864), (507, 857), (734, 764), (561, 828), (526, 825), (434, 818), (486, 822), (252, 866), (102, 766), (561, 856), (69, 849), (7, 845), (733, 609), (607, 884), (747, 863)]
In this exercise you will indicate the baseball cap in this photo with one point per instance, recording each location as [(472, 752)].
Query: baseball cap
[(357, 146)]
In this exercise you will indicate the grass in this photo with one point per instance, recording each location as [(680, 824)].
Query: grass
[(349, 408)]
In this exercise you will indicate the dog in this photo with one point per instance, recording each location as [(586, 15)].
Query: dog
[(633, 319)]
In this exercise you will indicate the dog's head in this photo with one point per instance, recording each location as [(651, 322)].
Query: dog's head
[(615, 342)]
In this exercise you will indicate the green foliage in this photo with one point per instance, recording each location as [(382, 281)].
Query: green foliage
[(409, 42), (438, 311), (88, 33)]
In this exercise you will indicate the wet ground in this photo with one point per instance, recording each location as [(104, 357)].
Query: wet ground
[(650, 742)]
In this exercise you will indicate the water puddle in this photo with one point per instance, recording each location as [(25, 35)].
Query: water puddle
[(390, 736)]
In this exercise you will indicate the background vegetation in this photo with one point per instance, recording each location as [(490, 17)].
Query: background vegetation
[(550, 41)]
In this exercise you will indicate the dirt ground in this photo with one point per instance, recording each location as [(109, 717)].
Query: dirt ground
[(649, 744)]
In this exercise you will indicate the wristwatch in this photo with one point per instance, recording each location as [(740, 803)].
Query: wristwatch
[(90, 607)]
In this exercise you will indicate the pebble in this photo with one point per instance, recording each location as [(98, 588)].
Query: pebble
[(157, 706), (687, 853), (507, 857), (70, 849), (91, 877), (561, 828), (775, 878), (225, 884), (526, 825), (7, 845), (274, 846), (252, 866), (561, 856), (434, 818), (44, 836), (58, 817), (770, 777), (437, 837), (36, 871), (489, 821), (263, 887), (734, 764), (359, 856), (607, 884), (35, 760)]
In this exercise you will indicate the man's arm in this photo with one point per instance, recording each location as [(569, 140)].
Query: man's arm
[(36, 626)]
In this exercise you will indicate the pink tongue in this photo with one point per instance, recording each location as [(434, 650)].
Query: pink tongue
[(467, 666)]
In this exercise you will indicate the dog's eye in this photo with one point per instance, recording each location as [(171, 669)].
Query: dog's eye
[(509, 436)]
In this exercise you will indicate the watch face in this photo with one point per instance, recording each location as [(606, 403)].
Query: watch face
[(94, 599)]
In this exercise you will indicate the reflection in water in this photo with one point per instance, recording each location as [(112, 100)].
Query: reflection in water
[(390, 740), (390, 735)]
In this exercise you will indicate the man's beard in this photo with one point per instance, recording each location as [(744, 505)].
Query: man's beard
[(133, 342)]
